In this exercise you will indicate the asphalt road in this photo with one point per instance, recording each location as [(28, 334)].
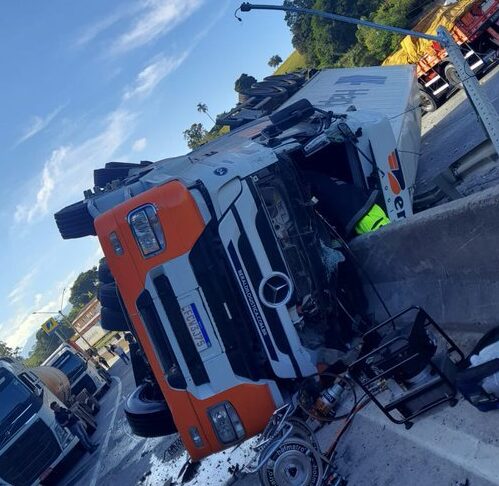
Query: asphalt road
[(122, 458), (451, 131)]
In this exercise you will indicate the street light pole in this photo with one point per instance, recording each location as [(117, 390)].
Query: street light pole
[(480, 102)]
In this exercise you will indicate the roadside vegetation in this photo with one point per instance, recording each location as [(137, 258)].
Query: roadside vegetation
[(84, 289), (320, 44)]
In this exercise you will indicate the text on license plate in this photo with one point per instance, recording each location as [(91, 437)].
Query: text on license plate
[(196, 327)]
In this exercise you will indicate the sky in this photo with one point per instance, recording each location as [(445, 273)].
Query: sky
[(86, 82)]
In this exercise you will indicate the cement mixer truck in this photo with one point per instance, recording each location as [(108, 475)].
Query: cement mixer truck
[(32, 444)]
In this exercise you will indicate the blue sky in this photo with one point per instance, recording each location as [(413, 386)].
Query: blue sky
[(86, 82)]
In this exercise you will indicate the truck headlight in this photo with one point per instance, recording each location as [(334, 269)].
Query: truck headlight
[(226, 423), (147, 230)]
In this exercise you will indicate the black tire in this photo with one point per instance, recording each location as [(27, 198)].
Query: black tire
[(451, 76), (147, 415), (102, 177), (108, 296), (428, 101), (75, 221), (112, 320), (121, 165), (105, 275)]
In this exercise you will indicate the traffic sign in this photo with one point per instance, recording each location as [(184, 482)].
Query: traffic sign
[(50, 326)]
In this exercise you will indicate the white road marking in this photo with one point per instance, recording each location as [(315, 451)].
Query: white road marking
[(103, 450)]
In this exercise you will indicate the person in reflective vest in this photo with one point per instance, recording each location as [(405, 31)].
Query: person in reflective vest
[(350, 209)]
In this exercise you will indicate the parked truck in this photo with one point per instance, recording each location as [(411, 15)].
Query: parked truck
[(473, 25), (229, 278), (81, 372), (32, 443)]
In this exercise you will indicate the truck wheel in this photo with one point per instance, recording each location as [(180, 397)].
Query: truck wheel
[(108, 296), (75, 221), (295, 462), (102, 177), (452, 77), (105, 275), (428, 101), (147, 415), (113, 320)]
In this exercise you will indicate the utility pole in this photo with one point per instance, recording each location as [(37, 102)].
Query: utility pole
[(480, 102)]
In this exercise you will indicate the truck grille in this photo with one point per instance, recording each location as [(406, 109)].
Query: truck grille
[(242, 343), (85, 382), (31, 454)]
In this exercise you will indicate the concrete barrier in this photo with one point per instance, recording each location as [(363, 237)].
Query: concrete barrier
[(445, 259)]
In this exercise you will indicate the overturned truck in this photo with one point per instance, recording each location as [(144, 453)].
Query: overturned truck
[(225, 265)]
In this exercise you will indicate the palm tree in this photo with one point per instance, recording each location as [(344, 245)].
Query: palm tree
[(203, 108), (275, 60)]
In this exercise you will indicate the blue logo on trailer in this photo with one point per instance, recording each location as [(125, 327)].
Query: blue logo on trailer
[(359, 79), (220, 171)]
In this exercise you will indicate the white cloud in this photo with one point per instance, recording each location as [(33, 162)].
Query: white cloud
[(159, 18), (37, 124), (50, 173), (139, 144), (18, 329), (152, 75), (92, 31), (16, 295), (69, 169)]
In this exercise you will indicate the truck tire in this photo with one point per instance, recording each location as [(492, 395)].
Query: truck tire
[(105, 275), (102, 177), (147, 415), (75, 221), (451, 76), (108, 296), (112, 320), (428, 101)]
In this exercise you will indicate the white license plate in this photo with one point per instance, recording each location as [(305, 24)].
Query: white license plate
[(196, 327)]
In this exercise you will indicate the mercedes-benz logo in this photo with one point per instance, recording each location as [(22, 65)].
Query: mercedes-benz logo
[(275, 290)]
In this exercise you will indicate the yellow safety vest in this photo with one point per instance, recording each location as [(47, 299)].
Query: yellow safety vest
[(372, 220)]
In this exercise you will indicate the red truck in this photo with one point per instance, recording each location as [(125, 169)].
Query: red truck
[(474, 26)]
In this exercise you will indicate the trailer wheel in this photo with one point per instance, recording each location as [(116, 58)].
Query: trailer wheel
[(428, 101), (75, 221), (451, 75), (148, 415), (295, 462)]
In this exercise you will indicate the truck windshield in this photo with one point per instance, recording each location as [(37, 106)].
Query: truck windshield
[(17, 404), (70, 364)]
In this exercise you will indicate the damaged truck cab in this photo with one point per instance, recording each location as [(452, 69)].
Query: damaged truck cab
[(228, 275)]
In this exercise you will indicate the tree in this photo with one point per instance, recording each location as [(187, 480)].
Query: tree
[(323, 41), (274, 61), (84, 288), (203, 108), (195, 135), (46, 344), (244, 82), (379, 43), (8, 352)]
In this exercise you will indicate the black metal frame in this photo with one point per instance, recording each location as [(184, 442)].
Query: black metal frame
[(365, 385)]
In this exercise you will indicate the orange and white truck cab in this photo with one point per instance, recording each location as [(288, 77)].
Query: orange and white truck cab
[(226, 272)]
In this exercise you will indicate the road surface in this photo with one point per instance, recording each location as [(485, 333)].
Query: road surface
[(451, 132)]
